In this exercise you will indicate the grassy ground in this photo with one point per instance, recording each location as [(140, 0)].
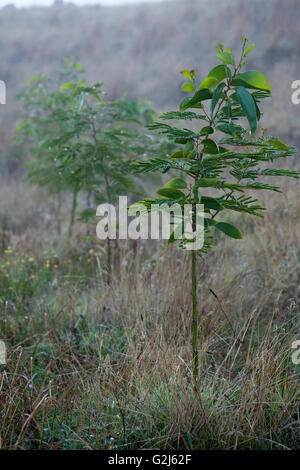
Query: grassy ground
[(97, 366)]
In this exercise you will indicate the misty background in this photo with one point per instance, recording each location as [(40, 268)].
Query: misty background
[(29, 3), (139, 49)]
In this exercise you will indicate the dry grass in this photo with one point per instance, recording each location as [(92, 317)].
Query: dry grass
[(95, 366)]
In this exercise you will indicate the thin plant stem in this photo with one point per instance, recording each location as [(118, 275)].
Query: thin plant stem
[(73, 212), (194, 318)]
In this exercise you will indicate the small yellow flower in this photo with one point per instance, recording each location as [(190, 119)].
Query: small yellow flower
[(30, 260)]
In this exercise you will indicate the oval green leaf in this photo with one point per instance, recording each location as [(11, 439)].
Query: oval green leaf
[(229, 230), (216, 96), (176, 183), (201, 95), (226, 57), (254, 79), (210, 83), (206, 182), (220, 72), (211, 203), (210, 146), (248, 105), (171, 193), (187, 87)]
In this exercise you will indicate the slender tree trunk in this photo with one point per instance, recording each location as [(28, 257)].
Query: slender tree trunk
[(108, 260), (88, 203), (73, 212), (58, 213), (194, 317)]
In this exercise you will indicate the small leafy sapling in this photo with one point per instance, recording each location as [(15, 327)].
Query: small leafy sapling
[(46, 117), (83, 143), (217, 153)]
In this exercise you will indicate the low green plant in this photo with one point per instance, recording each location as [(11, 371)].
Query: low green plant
[(217, 153)]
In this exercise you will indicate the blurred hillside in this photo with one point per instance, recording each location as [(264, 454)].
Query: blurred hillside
[(140, 49)]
